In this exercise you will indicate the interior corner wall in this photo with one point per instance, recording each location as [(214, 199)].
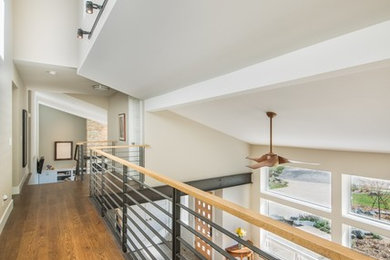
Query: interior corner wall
[(185, 150), (19, 102), (55, 125), (6, 73), (36, 22), (118, 103)]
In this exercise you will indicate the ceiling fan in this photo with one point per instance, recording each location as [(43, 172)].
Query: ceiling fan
[(271, 159)]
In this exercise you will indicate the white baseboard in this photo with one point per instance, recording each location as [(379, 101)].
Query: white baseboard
[(16, 189), (6, 214)]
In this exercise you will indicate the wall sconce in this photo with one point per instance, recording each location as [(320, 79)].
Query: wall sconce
[(81, 32), (89, 6)]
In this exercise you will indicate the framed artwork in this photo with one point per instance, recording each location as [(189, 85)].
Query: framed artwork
[(63, 150), (24, 138), (122, 127)]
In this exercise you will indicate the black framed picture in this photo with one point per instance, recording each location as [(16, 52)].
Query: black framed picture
[(24, 138), (63, 150), (122, 127)]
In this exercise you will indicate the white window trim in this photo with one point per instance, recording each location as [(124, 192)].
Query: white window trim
[(359, 221), (289, 245), (289, 201)]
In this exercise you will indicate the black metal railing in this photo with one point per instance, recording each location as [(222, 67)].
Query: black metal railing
[(153, 227)]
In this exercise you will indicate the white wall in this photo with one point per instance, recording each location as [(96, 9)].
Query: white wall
[(100, 101), (19, 102), (118, 103), (35, 24), (185, 150), (6, 73), (55, 125)]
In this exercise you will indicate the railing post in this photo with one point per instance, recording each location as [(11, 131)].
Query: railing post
[(124, 210), (141, 155), (77, 151), (113, 151), (102, 189), (90, 172), (175, 224), (82, 161)]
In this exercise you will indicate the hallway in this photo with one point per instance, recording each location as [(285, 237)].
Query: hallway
[(56, 221)]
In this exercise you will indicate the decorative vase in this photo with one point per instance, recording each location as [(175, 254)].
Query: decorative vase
[(240, 246)]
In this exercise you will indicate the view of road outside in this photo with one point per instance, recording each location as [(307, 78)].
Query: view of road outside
[(300, 219), (307, 185)]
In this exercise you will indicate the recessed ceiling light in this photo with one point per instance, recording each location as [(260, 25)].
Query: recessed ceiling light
[(52, 72), (100, 87)]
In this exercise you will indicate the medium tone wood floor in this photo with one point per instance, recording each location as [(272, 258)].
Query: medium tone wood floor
[(56, 221)]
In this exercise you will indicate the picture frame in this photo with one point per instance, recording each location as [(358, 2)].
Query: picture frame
[(24, 137), (63, 150), (122, 127)]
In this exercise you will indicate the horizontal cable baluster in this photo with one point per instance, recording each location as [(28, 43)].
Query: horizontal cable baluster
[(139, 240), (150, 201), (117, 205), (205, 239), (150, 214), (151, 188), (112, 183), (113, 192), (151, 229), (116, 177), (191, 248), (228, 233), (136, 250)]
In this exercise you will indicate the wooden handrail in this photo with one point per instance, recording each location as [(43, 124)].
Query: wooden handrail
[(87, 142), (122, 146), (319, 245)]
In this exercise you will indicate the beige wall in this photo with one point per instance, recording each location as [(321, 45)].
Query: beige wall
[(374, 165), (6, 72), (19, 102), (55, 125), (185, 150), (118, 103)]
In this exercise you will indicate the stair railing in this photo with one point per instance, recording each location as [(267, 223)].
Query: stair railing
[(165, 228)]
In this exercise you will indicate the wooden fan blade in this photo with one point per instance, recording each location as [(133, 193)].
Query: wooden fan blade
[(269, 163), (283, 160), (260, 159), (300, 162)]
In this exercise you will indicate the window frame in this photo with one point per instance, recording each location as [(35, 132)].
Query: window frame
[(264, 189), (347, 206)]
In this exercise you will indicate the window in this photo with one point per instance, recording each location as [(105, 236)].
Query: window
[(370, 198), (285, 249), (311, 186), (369, 243), (300, 219), (2, 21)]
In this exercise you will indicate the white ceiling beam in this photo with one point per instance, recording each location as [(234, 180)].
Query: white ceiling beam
[(351, 50), (72, 106)]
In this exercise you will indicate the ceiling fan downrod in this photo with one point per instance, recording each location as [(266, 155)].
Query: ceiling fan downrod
[(270, 116)]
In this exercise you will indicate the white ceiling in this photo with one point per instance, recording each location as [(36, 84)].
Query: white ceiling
[(350, 112), (148, 47), (66, 80)]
